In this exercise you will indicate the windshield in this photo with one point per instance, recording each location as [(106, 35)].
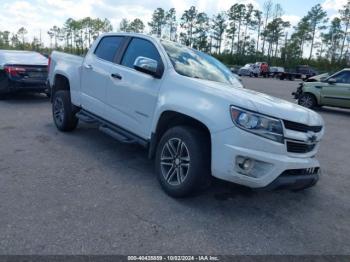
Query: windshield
[(195, 64)]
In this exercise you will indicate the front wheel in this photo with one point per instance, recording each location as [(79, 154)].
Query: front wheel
[(183, 161), (307, 100), (64, 112)]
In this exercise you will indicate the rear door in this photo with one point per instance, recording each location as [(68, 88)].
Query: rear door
[(337, 94), (96, 73), (132, 95)]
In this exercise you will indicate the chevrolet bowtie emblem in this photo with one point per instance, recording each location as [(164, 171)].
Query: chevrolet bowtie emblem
[(311, 137)]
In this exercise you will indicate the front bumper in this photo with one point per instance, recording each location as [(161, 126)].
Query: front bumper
[(295, 182), (271, 161), (297, 94)]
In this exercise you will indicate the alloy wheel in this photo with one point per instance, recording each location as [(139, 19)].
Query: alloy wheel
[(58, 110), (175, 161), (306, 101)]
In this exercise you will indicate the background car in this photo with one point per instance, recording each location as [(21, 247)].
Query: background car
[(234, 69), (333, 91), (22, 71), (275, 71), (249, 70)]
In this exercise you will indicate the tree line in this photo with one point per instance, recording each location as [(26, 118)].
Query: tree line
[(238, 35)]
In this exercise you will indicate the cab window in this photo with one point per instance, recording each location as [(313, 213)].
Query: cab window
[(140, 47), (108, 47)]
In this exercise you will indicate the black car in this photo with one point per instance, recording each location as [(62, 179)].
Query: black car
[(22, 71)]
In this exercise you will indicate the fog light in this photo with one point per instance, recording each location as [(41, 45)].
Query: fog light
[(252, 167), (245, 164)]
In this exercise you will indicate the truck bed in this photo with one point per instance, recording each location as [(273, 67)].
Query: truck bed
[(69, 66)]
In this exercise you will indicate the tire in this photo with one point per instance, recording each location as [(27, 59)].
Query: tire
[(307, 100), (63, 112), (183, 161)]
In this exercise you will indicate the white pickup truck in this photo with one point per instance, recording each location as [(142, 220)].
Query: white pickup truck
[(189, 111)]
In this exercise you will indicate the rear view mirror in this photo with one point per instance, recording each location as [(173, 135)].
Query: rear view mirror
[(332, 81), (146, 65)]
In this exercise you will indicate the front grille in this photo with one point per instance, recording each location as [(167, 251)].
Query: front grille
[(301, 127), (294, 147), (301, 172)]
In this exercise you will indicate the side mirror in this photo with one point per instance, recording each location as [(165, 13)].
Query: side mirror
[(332, 81), (147, 66)]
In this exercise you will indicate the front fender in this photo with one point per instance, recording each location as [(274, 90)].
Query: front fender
[(212, 111), (315, 89)]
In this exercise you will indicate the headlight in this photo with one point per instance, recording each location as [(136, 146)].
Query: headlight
[(258, 124)]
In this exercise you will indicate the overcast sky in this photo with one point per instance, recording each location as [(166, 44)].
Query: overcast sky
[(40, 15)]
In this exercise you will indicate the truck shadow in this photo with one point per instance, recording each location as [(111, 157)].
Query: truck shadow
[(127, 167), (134, 158)]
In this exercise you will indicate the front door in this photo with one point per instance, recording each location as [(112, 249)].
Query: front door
[(338, 93), (132, 95)]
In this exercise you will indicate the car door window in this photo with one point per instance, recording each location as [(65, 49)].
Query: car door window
[(108, 47), (140, 47), (342, 78)]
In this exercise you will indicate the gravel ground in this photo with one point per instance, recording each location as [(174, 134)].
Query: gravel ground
[(84, 193)]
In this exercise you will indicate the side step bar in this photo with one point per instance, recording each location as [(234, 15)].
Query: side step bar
[(116, 135), (85, 118), (111, 129)]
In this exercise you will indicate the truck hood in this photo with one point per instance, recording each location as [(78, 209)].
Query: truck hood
[(264, 104)]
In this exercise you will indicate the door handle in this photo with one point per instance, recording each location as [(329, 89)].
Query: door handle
[(88, 67), (117, 76)]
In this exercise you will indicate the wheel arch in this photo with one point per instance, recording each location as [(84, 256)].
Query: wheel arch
[(317, 97), (61, 82), (169, 119)]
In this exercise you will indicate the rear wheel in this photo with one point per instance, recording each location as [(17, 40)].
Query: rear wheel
[(64, 112), (307, 100), (183, 161)]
